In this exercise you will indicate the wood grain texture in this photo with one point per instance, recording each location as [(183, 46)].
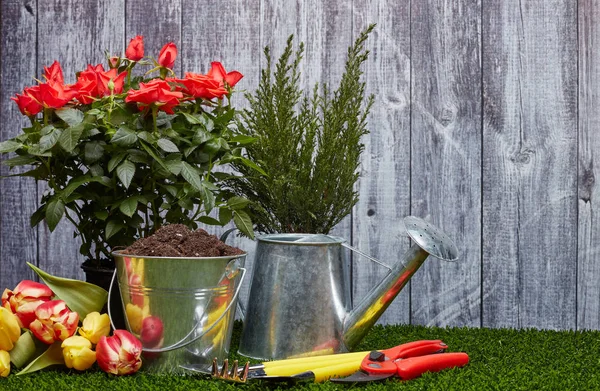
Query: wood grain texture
[(159, 22), (384, 185), (235, 42), (588, 271), (530, 164), (446, 155), (18, 196), (85, 31)]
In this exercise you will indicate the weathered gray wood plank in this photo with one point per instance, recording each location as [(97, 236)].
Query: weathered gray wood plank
[(384, 185), (446, 155), (18, 196), (235, 42), (159, 22), (75, 33), (588, 275), (529, 165)]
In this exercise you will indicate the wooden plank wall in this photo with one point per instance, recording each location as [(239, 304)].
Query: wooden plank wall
[(485, 123)]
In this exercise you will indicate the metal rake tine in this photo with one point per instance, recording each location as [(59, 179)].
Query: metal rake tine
[(215, 369), (245, 371), (225, 370)]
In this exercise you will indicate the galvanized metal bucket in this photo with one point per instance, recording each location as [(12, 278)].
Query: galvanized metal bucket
[(182, 309)]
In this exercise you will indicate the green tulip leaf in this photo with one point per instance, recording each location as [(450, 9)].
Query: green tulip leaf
[(81, 297), (24, 350), (52, 356)]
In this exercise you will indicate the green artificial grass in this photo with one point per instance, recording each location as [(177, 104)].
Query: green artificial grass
[(500, 360)]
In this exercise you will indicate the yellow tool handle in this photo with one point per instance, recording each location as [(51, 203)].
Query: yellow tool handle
[(315, 361), (289, 369), (342, 369)]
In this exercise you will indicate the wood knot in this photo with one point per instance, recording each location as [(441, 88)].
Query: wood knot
[(522, 157), (586, 184)]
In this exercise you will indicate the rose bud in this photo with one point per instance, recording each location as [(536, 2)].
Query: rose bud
[(135, 50), (78, 353), (24, 299), (95, 326), (167, 55), (54, 321), (119, 354), (4, 363), (152, 332), (10, 331)]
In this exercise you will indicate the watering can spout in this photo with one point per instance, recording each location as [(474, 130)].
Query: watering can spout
[(429, 240)]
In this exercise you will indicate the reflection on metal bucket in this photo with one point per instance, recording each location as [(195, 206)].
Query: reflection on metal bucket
[(182, 309)]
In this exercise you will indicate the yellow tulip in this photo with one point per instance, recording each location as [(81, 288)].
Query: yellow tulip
[(4, 363), (10, 331), (78, 353), (95, 326)]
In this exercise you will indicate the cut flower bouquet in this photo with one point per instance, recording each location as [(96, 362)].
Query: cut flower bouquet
[(123, 154)]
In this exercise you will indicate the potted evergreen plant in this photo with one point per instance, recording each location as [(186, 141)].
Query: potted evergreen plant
[(308, 145), (123, 155)]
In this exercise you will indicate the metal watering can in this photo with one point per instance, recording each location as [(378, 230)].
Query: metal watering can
[(300, 303)]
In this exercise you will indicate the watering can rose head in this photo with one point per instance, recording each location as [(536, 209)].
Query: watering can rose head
[(119, 354), (24, 300), (147, 142)]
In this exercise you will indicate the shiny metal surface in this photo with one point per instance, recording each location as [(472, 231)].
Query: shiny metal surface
[(192, 300), (299, 302)]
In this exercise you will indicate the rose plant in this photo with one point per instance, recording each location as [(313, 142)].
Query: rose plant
[(123, 154)]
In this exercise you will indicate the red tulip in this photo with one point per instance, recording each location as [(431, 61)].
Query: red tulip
[(167, 55), (54, 321), (135, 49), (119, 354), (217, 73), (24, 300)]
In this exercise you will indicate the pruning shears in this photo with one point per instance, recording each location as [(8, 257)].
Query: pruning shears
[(406, 361)]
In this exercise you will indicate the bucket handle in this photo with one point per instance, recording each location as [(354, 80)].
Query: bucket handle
[(181, 343)]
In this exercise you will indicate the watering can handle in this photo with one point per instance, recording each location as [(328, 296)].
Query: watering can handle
[(370, 258), (181, 343)]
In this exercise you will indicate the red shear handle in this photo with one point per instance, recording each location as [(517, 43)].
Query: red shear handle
[(416, 366)]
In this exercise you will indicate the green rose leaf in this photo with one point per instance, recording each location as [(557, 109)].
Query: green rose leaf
[(209, 220), (55, 210), (124, 137), (19, 161), (129, 206), (9, 146), (192, 119), (52, 356), (243, 222), (125, 172), (236, 203), (94, 150), (70, 115), (191, 176), (49, 139), (225, 215), (112, 227), (80, 296), (69, 138), (115, 160), (167, 145)]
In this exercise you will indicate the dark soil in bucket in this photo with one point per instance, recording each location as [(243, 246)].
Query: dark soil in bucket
[(177, 240)]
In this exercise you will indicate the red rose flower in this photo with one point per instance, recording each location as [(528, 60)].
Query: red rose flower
[(167, 55), (54, 73), (217, 73), (156, 92), (93, 83), (135, 49), (27, 104), (202, 86)]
